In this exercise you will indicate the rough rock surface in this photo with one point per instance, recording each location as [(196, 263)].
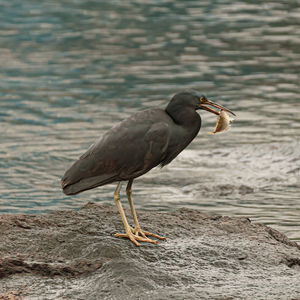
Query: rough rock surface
[(73, 255)]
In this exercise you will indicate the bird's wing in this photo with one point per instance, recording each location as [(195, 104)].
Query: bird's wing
[(146, 152), (128, 150)]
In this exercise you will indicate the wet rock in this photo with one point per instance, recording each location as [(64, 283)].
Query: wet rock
[(73, 255), (12, 295)]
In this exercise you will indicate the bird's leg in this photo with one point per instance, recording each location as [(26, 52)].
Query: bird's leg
[(137, 228), (129, 231)]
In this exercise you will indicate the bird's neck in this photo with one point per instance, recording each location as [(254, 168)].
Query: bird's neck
[(184, 116)]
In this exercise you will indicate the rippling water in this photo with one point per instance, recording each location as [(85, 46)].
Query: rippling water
[(72, 69)]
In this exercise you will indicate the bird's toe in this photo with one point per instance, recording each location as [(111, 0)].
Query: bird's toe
[(139, 232), (129, 236), (135, 238), (154, 235)]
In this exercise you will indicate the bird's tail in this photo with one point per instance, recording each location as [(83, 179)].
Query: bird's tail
[(79, 178), (85, 184)]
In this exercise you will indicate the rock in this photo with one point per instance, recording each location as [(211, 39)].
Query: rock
[(73, 255)]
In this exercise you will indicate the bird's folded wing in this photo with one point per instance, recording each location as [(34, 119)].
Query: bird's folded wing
[(120, 154)]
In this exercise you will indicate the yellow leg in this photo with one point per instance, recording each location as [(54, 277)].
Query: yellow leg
[(129, 231), (137, 228)]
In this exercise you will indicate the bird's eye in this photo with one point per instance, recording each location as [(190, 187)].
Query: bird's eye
[(203, 99)]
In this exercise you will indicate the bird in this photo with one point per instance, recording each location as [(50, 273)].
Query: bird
[(149, 138)]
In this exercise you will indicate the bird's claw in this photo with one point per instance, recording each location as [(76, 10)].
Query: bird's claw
[(135, 238), (137, 235), (138, 231)]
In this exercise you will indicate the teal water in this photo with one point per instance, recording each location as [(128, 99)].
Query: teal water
[(72, 69)]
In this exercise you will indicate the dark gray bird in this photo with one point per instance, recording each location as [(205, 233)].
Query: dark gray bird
[(133, 147)]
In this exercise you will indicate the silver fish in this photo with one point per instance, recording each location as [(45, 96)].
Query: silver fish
[(223, 122)]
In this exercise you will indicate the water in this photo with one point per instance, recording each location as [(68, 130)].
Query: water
[(72, 69)]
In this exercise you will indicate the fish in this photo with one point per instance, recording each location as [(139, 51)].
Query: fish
[(223, 123)]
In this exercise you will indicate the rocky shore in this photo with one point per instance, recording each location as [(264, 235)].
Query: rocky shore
[(73, 255)]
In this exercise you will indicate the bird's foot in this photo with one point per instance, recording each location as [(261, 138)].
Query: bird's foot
[(135, 238), (137, 235), (138, 231)]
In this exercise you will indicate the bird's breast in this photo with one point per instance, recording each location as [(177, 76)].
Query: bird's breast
[(180, 137)]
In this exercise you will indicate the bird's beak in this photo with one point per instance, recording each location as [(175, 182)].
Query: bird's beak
[(220, 107)]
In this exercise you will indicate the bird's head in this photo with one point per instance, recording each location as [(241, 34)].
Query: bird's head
[(183, 104), (195, 100)]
